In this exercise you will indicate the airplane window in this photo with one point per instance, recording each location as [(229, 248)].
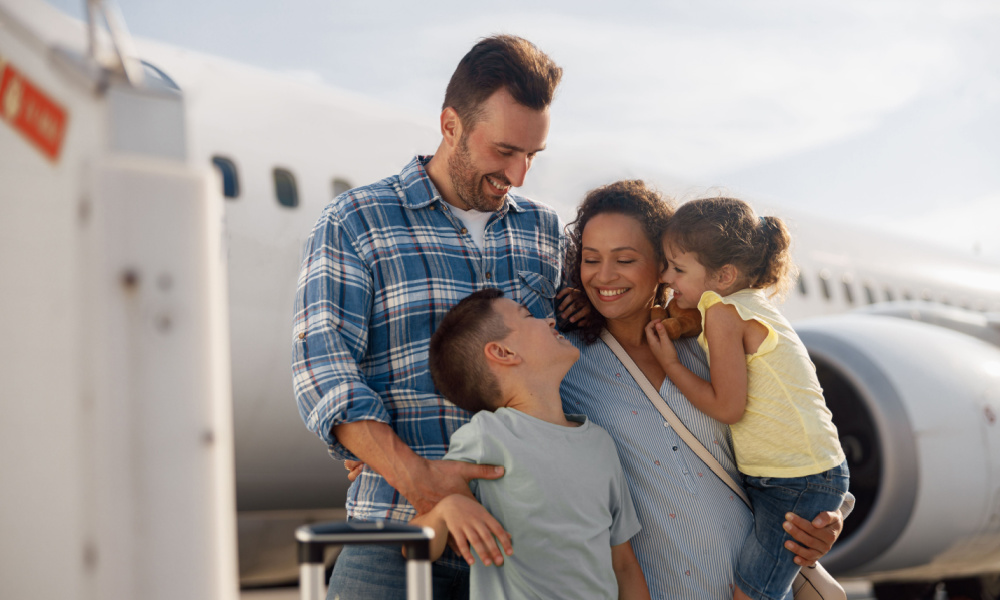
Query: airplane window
[(340, 186), (889, 295), (801, 283), (848, 292), (824, 283), (925, 296), (284, 188), (907, 295), (870, 293), (230, 179)]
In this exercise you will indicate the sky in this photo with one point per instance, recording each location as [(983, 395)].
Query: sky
[(885, 113)]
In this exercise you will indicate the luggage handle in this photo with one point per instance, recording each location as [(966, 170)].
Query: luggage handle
[(313, 539)]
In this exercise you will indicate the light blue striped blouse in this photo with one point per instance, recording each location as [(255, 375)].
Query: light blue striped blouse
[(692, 524)]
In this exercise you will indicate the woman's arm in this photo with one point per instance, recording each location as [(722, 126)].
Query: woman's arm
[(631, 582), (724, 398)]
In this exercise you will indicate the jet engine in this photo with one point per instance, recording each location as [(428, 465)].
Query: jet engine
[(916, 406)]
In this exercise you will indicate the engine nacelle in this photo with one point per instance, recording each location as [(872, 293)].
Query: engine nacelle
[(916, 406)]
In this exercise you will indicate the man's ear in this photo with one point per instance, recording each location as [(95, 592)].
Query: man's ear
[(451, 127), (499, 354)]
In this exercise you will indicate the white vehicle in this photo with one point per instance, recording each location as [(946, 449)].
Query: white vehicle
[(906, 337)]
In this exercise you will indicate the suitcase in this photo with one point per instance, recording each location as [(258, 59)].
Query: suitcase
[(313, 539)]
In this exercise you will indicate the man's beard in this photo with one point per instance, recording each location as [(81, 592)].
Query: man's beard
[(468, 184)]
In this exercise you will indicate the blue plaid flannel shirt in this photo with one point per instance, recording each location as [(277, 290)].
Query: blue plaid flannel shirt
[(382, 266)]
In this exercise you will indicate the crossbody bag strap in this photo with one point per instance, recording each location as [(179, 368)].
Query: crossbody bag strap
[(670, 416)]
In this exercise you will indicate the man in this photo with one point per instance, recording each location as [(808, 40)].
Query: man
[(384, 264)]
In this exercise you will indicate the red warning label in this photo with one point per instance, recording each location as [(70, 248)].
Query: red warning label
[(27, 109)]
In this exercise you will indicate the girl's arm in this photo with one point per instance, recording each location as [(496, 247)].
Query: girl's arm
[(725, 397), (631, 583)]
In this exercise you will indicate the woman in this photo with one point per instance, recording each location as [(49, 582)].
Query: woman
[(693, 524)]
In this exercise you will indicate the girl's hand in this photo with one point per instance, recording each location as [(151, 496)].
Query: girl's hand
[(661, 344)]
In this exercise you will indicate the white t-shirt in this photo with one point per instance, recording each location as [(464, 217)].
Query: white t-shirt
[(475, 224)]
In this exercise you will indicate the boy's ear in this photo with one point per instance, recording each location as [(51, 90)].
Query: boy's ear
[(498, 353)]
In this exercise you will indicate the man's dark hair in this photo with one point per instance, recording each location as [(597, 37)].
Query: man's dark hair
[(501, 61), (458, 365)]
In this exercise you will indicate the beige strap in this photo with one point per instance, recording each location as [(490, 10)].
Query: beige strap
[(675, 422)]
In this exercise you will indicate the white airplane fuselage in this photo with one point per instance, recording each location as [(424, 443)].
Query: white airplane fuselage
[(918, 395)]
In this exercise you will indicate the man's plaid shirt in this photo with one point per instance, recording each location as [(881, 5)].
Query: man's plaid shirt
[(382, 266)]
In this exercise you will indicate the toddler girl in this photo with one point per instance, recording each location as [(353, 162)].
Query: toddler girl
[(720, 258)]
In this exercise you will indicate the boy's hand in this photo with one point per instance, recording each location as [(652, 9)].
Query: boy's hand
[(471, 524), (661, 344)]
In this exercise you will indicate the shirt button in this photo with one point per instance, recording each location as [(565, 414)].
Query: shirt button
[(433, 207), (302, 336), (464, 231), (675, 448), (489, 276)]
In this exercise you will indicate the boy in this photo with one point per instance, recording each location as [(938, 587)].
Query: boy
[(563, 495)]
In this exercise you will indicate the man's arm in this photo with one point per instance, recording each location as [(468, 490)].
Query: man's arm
[(421, 481), (331, 328), (631, 582)]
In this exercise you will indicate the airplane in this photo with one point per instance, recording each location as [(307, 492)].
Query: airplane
[(905, 336)]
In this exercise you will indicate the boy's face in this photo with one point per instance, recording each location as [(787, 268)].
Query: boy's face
[(535, 340)]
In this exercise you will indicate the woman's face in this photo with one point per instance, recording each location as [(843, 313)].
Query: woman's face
[(618, 267)]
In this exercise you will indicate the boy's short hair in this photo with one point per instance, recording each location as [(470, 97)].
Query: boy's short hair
[(457, 362)]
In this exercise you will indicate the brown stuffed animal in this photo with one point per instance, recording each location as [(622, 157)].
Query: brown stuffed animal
[(679, 322)]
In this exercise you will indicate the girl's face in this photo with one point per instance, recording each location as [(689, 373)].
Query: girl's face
[(687, 277), (618, 267)]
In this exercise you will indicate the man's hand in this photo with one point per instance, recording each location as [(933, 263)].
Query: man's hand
[(814, 538), (442, 478)]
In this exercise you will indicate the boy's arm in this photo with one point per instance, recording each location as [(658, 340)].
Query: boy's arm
[(468, 523), (724, 398), (631, 583)]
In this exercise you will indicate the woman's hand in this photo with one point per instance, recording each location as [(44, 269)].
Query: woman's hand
[(573, 307), (814, 538)]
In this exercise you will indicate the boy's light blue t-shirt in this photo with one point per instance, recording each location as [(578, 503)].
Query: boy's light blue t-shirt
[(563, 498)]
